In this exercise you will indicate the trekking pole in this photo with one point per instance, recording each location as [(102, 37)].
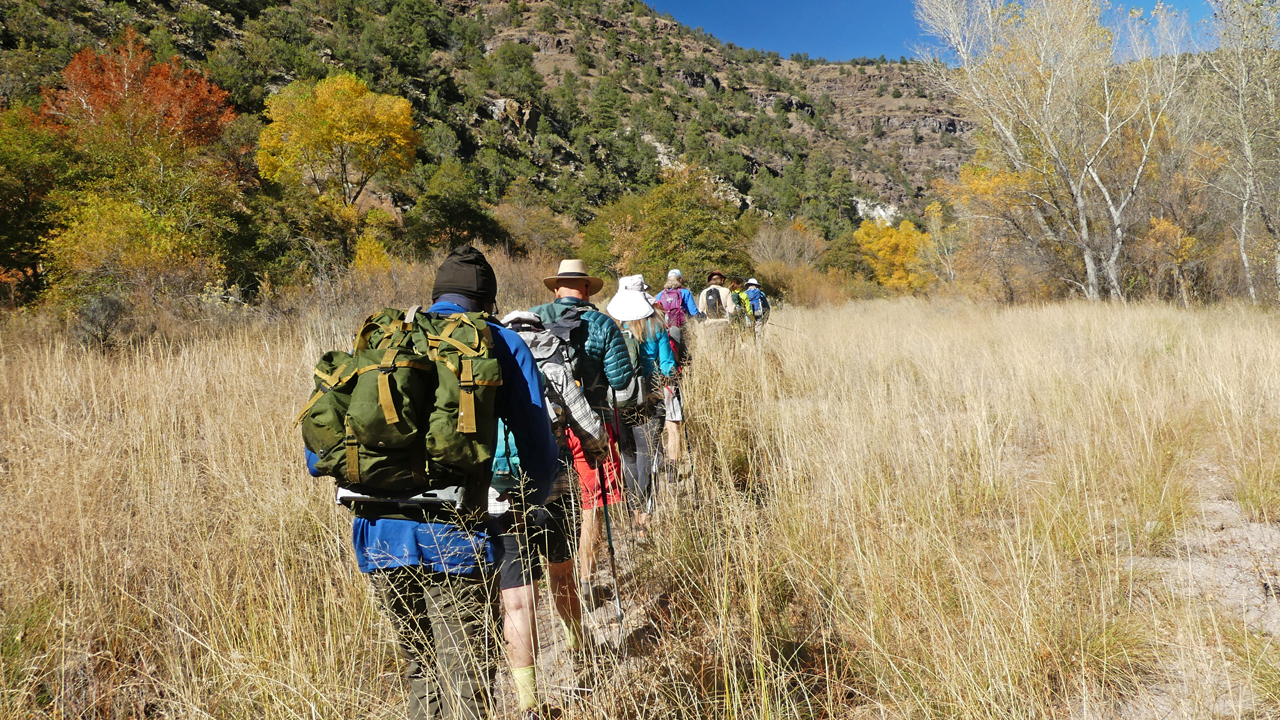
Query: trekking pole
[(608, 532), (616, 424), (655, 468)]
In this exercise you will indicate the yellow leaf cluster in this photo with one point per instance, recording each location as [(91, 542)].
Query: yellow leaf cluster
[(115, 241), (335, 135), (371, 256), (994, 191), (1168, 241), (896, 255)]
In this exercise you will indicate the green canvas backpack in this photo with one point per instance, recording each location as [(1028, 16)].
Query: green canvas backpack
[(410, 409)]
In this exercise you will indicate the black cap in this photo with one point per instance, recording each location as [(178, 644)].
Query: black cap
[(466, 272)]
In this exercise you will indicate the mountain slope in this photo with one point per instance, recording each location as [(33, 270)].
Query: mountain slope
[(586, 98)]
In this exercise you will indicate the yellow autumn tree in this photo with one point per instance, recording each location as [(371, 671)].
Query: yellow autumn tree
[(896, 255), (370, 255), (336, 136), (1168, 247)]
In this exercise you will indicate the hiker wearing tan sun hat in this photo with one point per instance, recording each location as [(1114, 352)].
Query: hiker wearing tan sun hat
[(601, 363)]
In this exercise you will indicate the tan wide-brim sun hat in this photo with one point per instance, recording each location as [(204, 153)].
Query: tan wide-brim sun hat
[(574, 270), (631, 302)]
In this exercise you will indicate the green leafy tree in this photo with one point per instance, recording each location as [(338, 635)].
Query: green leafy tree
[(679, 223), (514, 74), (36, 158), (450, 212)]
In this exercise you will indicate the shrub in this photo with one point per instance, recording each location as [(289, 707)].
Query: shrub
[(803, 285), (108, 245), (680, 223)]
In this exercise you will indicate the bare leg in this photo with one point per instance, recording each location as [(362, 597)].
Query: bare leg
[(564, 594), (673, 441), (521, 635), (518, 626), (589, 543)]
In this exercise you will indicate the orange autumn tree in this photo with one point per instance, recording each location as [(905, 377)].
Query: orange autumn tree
[(896, 255), (127, 99)]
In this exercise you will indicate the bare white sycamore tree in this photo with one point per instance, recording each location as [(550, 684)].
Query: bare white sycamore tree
[(1079, 111), (1243, 119)]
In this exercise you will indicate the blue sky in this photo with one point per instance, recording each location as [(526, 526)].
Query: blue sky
[(834, 29)]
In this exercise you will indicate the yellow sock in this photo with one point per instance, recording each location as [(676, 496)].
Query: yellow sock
[(526, 686), (572, 635)]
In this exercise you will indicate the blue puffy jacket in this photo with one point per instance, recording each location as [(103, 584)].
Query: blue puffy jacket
[(601, 349)]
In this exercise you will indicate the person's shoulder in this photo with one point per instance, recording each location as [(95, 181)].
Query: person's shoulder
[(597, 318), (508, 339)]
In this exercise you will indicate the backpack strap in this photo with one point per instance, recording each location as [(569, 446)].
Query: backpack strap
[(464, 371), (362, 339), (385, 368), (328, 382), (352, 447)]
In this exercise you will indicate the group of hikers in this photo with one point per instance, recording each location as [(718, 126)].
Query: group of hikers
[(461, 489)]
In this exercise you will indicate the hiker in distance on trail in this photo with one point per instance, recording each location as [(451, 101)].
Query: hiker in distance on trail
[(679, 306), (716, 301), (406, 425), (740, 316), (602, 366), (757, 303)]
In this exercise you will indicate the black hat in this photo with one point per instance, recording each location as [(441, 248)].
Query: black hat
[(466, 272)]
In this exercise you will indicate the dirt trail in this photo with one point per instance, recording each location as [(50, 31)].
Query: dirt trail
[(1221, 560), (619, 648)]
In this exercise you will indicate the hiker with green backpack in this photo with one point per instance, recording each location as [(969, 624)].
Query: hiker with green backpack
[(406, 425)]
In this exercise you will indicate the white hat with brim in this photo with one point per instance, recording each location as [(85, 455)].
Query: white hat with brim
[(574, 270), (523, 317), (631, 302), (753, 281)]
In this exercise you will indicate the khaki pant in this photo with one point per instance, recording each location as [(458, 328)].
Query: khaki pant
[(446, 626)]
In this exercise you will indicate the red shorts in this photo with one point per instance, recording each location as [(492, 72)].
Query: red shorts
[(589, 477)]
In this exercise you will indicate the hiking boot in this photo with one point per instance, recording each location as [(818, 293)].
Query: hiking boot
[(588, 595), (546, 712)]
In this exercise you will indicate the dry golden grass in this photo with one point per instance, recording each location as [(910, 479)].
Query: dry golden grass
[(926, 509)]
